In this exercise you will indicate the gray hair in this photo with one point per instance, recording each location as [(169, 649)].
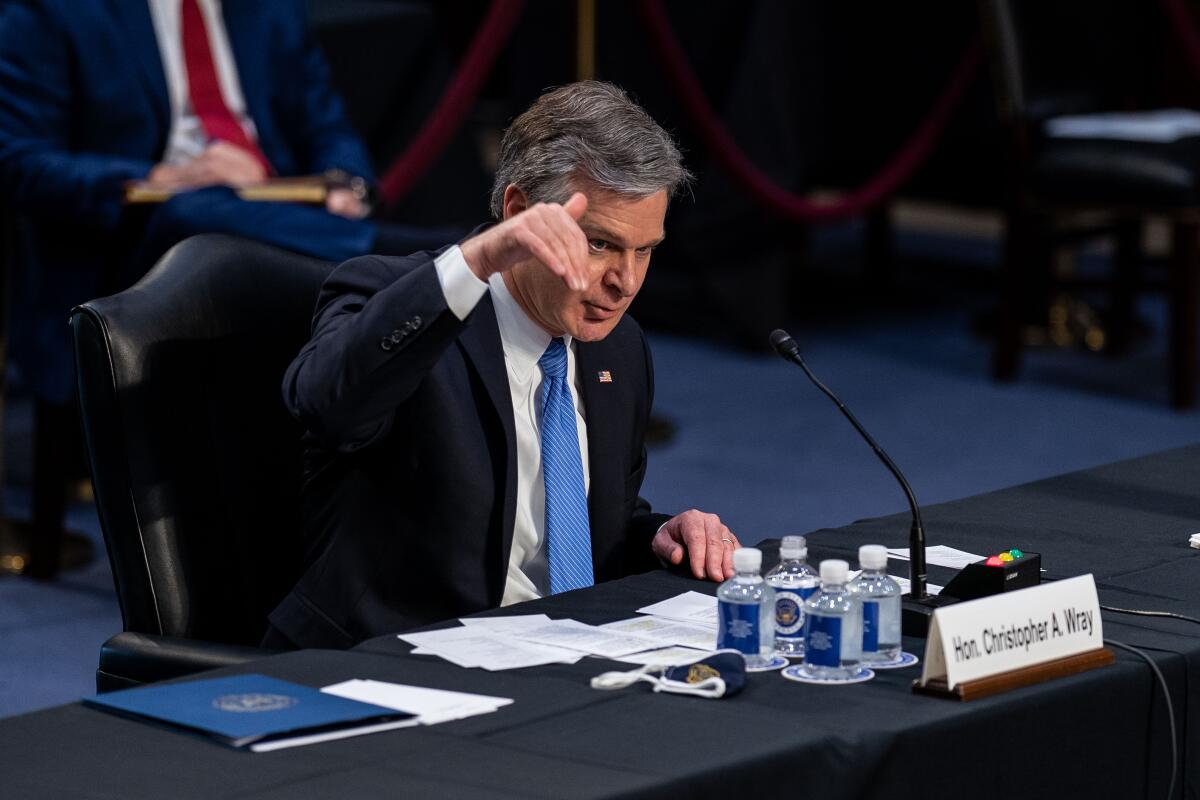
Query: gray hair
[(588, 132)]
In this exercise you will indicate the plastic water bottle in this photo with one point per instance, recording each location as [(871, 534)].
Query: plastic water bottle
[(880, 596), (832, 626), (794, 581), (746, 610)]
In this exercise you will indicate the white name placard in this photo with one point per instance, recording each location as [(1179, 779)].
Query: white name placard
[(992, 635)]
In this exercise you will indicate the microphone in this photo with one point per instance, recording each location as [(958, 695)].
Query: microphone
[(786, 346)]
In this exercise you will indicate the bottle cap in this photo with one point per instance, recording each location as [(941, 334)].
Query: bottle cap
[(747, 559), (834, 570), (872, 556), (793, 547)]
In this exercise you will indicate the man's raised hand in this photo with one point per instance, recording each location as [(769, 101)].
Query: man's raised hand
[(548, 232)]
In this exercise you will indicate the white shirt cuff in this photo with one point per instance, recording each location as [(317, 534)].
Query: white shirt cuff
[(459, 284)]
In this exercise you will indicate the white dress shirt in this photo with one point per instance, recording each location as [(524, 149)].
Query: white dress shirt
[(188, 138), (524, 341)]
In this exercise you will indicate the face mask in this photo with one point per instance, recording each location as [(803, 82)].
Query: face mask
[(718, 674)]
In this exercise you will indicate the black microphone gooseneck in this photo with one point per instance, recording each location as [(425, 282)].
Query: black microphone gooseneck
[(786, 346)]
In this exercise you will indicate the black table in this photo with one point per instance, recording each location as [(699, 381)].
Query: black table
[(1098, 734)]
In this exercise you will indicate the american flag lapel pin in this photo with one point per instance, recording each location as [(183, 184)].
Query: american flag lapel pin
[(604, 376)]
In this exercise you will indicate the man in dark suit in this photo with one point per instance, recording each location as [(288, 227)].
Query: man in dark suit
[(96, 94), (476, 416)]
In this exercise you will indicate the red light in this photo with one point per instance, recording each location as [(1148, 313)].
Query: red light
[(994, 561)]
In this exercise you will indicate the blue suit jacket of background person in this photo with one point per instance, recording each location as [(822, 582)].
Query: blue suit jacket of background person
[(84, 108)]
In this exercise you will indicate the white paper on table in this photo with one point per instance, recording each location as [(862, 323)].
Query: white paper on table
[(940, 555), (687, 607), (468, 648), (430, 705), (505, 624), (329, 736), (905, 583), (667, 656), (586, 638), (667, 631), (1162, 125)]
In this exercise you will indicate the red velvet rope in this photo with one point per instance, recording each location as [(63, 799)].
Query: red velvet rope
[(760, 186), (455, 102)]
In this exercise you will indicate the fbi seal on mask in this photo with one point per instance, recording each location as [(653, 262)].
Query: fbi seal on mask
[(698, 673), (253, 702)]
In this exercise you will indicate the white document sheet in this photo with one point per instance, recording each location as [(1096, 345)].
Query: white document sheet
[(467, 647), (586, 638), (691, 607), (666, 656), (430, 705), (941, 556), (505, 624), (667, 631)]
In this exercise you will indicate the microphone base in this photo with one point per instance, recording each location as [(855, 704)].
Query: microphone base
[(915, 614)]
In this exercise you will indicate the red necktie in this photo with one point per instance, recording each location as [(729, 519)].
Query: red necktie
[(205, 89)]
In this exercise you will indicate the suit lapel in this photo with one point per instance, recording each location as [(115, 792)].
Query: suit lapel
[(603, 422), (480, 341), (133, 16)]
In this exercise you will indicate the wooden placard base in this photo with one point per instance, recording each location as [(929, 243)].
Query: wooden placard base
[(1026, 676)]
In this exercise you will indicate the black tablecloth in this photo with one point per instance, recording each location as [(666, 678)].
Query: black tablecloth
[(1100, 734)]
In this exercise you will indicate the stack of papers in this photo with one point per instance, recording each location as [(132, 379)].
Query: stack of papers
[(692, 607), (685, 630), (422, 706), (491, 643), (666, 632), (430, 706)]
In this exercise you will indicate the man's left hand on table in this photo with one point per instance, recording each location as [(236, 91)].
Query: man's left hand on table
[(702, 539)]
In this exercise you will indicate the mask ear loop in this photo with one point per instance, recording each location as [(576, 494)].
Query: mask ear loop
[(709, 687), (619, 680)]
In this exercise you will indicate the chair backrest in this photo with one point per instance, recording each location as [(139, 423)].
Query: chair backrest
[(1068, 56), (195, 461)]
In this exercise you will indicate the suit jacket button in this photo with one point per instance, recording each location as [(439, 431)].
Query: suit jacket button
[(397, 336), (385, 344), (416, 322)]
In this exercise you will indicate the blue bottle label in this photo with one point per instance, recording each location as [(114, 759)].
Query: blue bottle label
[(870, 626), (738, 627), (823, 640)]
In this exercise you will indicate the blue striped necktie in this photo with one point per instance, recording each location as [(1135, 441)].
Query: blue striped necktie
[(568, 536)]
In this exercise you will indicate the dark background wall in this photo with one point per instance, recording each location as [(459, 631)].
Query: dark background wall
[(817, 94)]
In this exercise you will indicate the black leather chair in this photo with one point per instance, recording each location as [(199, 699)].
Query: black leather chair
[(195, 461), (1072, 57)]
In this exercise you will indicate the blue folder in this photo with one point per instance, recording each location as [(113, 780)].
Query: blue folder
[(245, 709)]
